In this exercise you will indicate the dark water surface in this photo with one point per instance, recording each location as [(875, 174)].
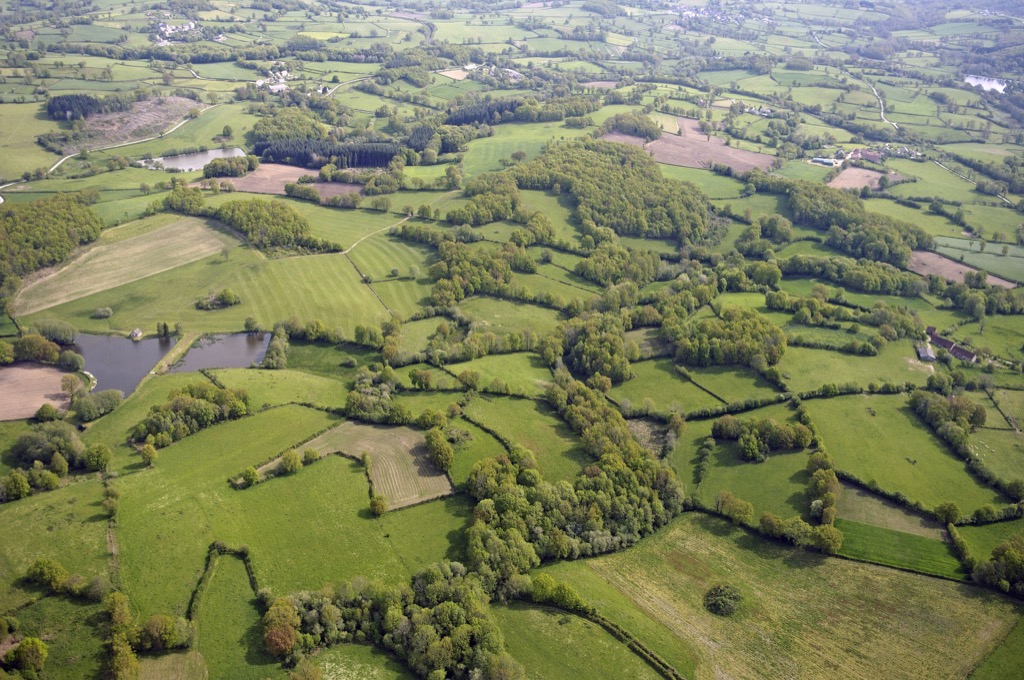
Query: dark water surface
[(119, 363), (238, 350)]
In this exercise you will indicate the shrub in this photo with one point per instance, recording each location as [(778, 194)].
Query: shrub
[(102, 313), (30, 656), (723, 600), (310, 456), (290, 462), (250, 476), (149, 454), (46, 413), (71, 361), (378, 505)]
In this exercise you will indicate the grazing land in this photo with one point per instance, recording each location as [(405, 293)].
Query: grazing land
[(796, 602), (162, 246), (603, 233), (401, 469)]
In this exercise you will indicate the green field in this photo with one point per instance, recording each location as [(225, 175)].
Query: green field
[(879, 438), (659, 381), (76, 648), (286, 545), (523, 373), (334, 294), (67, 525), (229, 626), (789, 624), (559, 452), (808, 369), (547, 642), (432, 99), (898, 549)]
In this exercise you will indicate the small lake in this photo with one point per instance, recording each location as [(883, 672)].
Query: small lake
[(118, 363), (238, 350), (194, 161), (987, 84)]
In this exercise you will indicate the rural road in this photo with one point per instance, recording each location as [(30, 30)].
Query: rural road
[(107, 148), (881, 106), (950, 170)]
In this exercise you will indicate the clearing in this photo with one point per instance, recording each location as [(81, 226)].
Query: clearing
[(114, 262), (455, 74), (401, 468), (691, 148), (925, 262), (145, 119), (26, 387)]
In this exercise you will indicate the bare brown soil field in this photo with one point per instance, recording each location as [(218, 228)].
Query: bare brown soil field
[(113, 263), (692, 149), (146, 119), (925, 262), (401, 468), (857, 178), (456, 74), (26, 387), (603, 84), (270, 178)]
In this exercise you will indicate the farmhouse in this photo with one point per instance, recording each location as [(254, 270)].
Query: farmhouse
[(945, 343)]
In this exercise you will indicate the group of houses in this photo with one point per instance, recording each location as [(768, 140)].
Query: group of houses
[(926, 353)]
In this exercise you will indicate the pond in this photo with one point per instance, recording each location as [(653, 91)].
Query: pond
[(118, 363), (986, 83), (238, 350), (194, 161)]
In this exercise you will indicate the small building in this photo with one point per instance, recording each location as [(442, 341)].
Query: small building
[(925, 352), (135, 334), (963, 354)]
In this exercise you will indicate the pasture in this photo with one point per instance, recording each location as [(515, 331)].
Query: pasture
[(537, 427), (549, 641), (898, 549), (229, 630), (68, 525), (658, 380), (401, 468), (523, 373), (808, 369), (879, 438), (333, 293), (804, 616), (164, 243)]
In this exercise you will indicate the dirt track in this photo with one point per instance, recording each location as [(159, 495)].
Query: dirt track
[(26, 387)]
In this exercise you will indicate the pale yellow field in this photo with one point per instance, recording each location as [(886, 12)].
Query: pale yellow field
[(804, 615), (114, 261)]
